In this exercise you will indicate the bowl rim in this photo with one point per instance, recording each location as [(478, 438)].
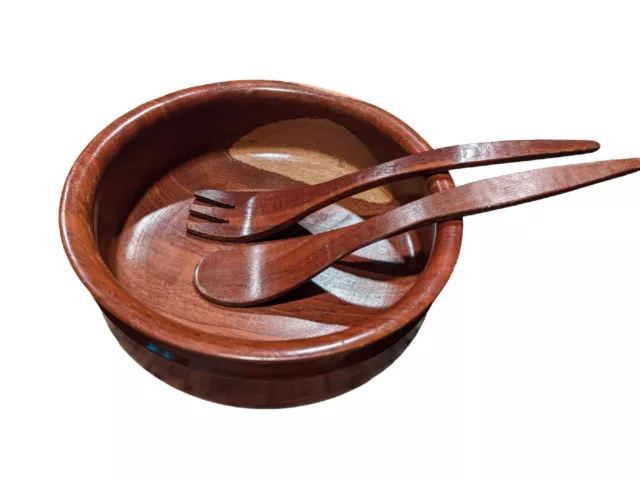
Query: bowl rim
[(76, 225)]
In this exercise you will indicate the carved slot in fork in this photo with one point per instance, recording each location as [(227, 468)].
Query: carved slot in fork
[(209, 213), (205, 197)]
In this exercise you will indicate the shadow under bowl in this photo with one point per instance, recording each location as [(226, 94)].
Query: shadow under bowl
[(123, 218)]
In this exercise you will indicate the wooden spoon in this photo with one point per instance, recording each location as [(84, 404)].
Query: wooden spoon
[(245, 275), (250, 215)]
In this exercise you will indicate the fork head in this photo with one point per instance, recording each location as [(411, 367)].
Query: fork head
[(228, 213)]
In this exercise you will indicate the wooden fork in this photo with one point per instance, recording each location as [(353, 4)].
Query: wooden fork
[(250, 215), (248, 274)]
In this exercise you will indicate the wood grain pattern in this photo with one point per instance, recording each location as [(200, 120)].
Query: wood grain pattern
[(250, 274), (250, 215), (123, 216), (311, 151)]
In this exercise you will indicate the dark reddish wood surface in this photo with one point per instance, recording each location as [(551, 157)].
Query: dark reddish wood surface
[(277, 392), (244, 275), (250, 215), (123, 218)]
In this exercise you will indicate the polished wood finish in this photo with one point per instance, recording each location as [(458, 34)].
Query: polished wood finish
[(250, 215), (123, 217), (277, 392), (251, 274)]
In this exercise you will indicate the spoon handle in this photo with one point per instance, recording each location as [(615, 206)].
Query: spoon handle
[(478, 197)]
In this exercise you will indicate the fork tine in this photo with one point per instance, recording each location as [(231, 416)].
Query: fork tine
[(210, 213), (222, 199)]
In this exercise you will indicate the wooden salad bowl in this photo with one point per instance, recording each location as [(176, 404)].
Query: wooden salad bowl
[(123, 216)]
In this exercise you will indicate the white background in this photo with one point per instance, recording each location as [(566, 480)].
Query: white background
[(528, 366)]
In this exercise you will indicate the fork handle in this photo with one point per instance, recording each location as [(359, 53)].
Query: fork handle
[(430, 162)]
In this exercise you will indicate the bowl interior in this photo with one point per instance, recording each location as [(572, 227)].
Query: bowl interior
[(253, 142)]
